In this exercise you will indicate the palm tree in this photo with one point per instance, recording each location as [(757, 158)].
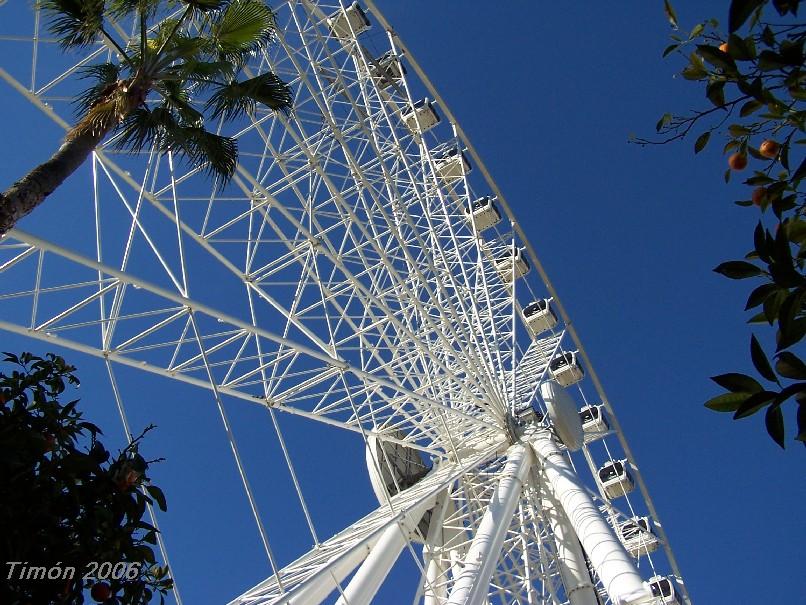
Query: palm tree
[(170, 81)]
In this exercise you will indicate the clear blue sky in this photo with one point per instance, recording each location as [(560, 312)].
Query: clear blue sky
[(549, 93)]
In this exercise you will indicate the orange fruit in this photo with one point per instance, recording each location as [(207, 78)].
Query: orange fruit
[(769, 149), (100, 592), (724, 47), (759, 193), (738, 161)]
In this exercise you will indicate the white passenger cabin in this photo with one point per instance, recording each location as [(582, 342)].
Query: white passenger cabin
[(615, 479), (539, 316), (344, 23), (565, 369), (594, 420), (386, 69), (512, 263), (637, 536), (483, 213), (452, 165), (664, 591), (424, 113)]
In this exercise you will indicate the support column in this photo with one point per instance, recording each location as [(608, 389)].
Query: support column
[(610, 560), (434, 589), (373, 571), (473, 582), (570, 556)]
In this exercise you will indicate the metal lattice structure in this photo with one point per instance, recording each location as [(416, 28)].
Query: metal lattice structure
[(346, 276)]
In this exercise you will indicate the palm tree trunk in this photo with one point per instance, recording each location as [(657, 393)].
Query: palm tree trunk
[(26, 194)]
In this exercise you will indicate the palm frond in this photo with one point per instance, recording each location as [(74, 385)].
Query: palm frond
[(74, 22), (215, 154), (123, 8), (144, 128), (236, 98), (159, 127), (244, 27), (177, 99), (205, 5), (106, 76), (201, 73)]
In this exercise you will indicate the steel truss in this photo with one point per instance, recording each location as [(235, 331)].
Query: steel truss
[(338, 278)]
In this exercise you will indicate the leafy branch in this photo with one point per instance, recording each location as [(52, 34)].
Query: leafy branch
[(754, 80)]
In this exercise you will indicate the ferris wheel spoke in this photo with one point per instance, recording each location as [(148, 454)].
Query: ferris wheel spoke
[(354, 166), (316, 574), (379, 124), (164, 318), (369, 294)]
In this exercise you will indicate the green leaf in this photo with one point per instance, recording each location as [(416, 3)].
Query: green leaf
[(791, 333), (759, 178), (760, 360), (717, 58), (75, 23), (754, 88), (235, 99), (737, 383), (696, 69), (760, 243), (785, 6), (774, 419), (701, 142), (758, 318), (800, 172), (738, 269), (796, 231), (244, 26), (664, 120), (715, 91), (759, 295), (771, 61), (741, 49), (670, 49), (696, 31), (671, 15), (740, 11), (797, 389), (750, 107), (727, 402), (753, 404), (158, 496), (789, 365), (205, 5), (737, 130)]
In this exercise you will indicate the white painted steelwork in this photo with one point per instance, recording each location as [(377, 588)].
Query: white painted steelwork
[(608, 557), (571, 558), (337, 279), (472, 585)]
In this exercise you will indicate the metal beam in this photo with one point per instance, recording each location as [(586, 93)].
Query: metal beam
[(607, 555), (473, 583), (373, 571)]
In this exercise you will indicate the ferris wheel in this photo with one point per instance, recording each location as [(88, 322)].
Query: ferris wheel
[(362, 270)]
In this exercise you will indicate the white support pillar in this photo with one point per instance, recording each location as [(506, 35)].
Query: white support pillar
[(373, 571), (570, 556), (473, 582), (340, 568), (610, 560), (434, 588)]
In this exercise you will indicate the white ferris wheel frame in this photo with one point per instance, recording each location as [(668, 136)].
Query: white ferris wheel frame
[(532, 483)]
